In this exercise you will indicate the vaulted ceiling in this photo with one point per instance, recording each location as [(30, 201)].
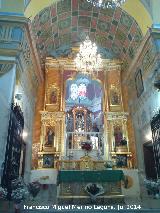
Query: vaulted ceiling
[(67, 22)]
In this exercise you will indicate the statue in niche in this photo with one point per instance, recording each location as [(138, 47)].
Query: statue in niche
[(118, 135), (50, 137), (53, 97), (79, 122)]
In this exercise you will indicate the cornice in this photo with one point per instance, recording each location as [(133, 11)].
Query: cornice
[(151, 35), (137, 57), (45, 115), (117, 115), (35, 55), (68, 64), (10, 47), (13, 18)]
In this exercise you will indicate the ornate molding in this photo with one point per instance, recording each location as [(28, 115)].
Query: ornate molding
[(116, 115), (68, 64), (16, 40), (146, 57), (51, 116), (4, 68)]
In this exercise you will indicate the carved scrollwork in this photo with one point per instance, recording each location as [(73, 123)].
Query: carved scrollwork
[(117, 115), (54, 116)]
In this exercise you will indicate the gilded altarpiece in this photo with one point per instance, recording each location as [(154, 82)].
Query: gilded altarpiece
[(52, 119), (52, 139), (116, 122)]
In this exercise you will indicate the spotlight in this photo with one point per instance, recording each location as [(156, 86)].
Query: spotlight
[(24, 134)]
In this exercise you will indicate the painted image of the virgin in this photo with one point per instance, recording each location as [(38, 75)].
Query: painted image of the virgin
[(53, 97), (115, 97), (118, 135), (49, 139)]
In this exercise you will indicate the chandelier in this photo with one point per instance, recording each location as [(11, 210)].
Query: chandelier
[(106, 3), (88, 61)]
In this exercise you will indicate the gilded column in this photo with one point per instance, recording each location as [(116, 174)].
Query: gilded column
[(105, 110), (62, 104)]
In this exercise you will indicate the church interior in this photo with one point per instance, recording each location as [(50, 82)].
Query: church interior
[(80, 101)]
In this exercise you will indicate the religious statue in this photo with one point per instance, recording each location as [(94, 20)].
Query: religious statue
[(53, 97), (50, 137), (95, 128), (118, 135)]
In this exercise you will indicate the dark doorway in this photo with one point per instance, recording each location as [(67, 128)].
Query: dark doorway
[(149, 161)]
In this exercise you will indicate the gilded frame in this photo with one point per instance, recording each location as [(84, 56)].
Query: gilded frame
[(54, 89)]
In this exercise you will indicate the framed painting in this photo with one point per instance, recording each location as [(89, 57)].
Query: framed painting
[(118, 135), (48, 161), (53, 95), (139, 83), (114, 96), (50, 136), (121, 161)]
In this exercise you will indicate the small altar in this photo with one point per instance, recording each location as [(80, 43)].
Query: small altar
[(72, 184)]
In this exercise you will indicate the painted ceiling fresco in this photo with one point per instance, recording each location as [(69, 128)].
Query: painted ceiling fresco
[(68, 22)]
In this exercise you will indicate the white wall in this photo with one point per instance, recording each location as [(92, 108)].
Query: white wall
[(44, 176), (134, 190)]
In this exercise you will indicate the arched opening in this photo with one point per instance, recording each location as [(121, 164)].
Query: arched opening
[(84, 115)]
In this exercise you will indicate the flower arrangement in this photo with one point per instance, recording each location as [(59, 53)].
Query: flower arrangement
[(19, 195), (153, 187), (19, 190), (86, 146), (94, 190), (109, 164), (34, 188), (3, 193)]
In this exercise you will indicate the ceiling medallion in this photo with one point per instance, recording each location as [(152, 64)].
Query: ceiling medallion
[(88, 61), (106, 3)]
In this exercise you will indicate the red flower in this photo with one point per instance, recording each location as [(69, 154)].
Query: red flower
[(87, 146)]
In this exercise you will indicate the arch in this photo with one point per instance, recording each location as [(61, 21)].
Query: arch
[(137, 10), (67, 24), (134, 8)]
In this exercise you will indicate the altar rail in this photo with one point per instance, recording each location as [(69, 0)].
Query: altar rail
[(74, 139)]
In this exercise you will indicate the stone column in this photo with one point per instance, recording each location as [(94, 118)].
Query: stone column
[(7, 84)]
